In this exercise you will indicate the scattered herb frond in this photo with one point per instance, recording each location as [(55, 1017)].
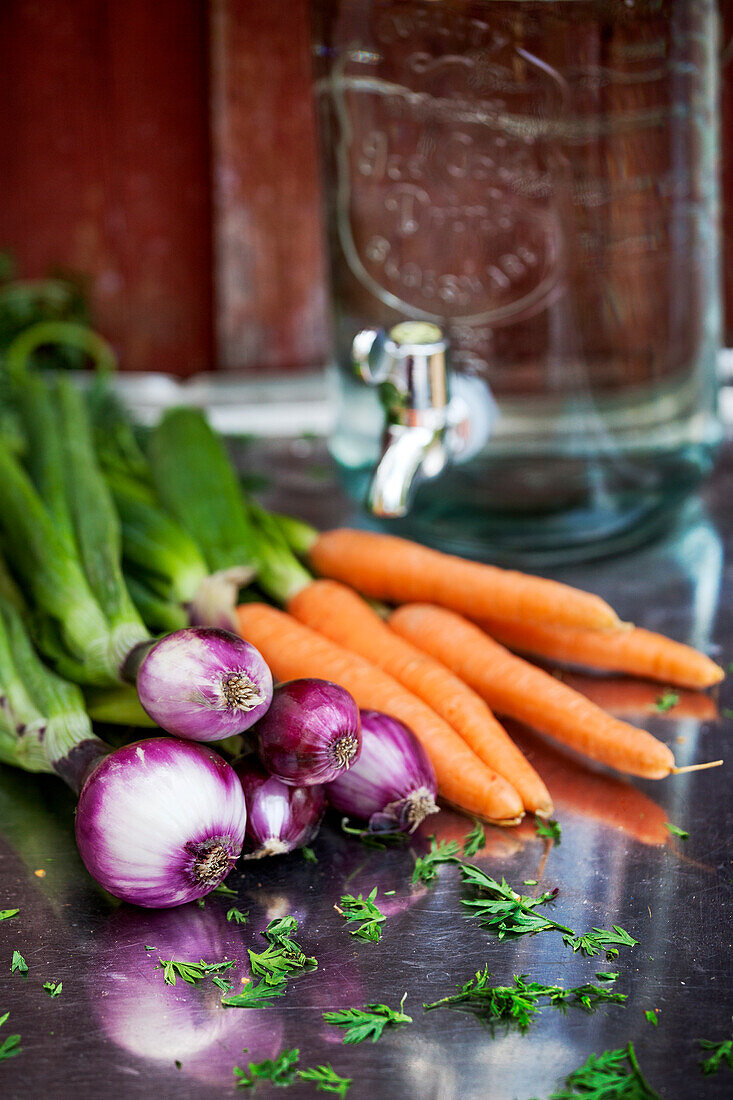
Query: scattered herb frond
[(614, 1073), (474, 840), (326, 1079), (503, 911), (373, 840), (309, 855), (607, 975), (6, 914), (224, 891), (550, 829), (592, 943), (237, 916), (367, 1023), (18, 963), (283, 956), (362, 910), (53, 988), (192, 973), (426, 867), (516, 1005), (676, 831), (530, 882), (650, 1015), (221, 983), (722, 1054), (10, 1045), (666, 701), (280, 1071), (255, 996), (148, 947)]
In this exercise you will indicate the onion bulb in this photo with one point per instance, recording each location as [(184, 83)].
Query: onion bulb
[(310, 734), (202, 683), (160, 822), (392, 786), (279, 818)]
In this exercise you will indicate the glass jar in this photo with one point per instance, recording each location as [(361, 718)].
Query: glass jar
[(538, 179)]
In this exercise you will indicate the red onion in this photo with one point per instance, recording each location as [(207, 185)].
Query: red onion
[(279, 818), (392, 786), (160, 822), (202, 683), (310, 734)]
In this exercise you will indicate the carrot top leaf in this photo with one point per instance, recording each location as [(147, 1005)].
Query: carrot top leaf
[(517, 1005), (367, 1023), (281, 1071), (444, 851), (474, 840), (612, 1073), (363, 911), (722, 1054), (676, 831), (550, 829)]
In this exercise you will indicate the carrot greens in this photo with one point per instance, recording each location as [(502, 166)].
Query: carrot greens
[(721, 1054), (280, 1071), (443, 851), (18, 963), (550, 829), (10, 1045), (361, 909), (474, 840), (614, 1073), (518, 1004), (368, 1022)]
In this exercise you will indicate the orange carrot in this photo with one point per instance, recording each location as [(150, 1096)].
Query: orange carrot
[(293, 650), (344, 617), (639, 652), (388, 568), (624, 698), (516, 688)]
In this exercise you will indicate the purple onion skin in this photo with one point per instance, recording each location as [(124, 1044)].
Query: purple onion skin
[(161, 822), (310, 734), (392, 786), (204, 684), (279, 818)]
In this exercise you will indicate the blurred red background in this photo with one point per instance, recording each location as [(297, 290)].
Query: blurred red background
[(167, 150)]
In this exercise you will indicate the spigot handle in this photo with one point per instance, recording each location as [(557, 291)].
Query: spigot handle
[(368, 356)]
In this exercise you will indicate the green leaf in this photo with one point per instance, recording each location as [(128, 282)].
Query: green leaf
[(363, 911), (280, 1071), (237, 916), (650, 1015), (18, 963), (326, 1079), (426, 867), (666, 701), (676, 831), (10, 1045), (309, 855), (550, 829), (613, 1074), (517, 1005), (474, 840), (504, 911), (255, 996), (599, 940), (53, 988), (368, 1022), (722, 1054), (192, 973), (380, 841), (6, 914), (283, 956)]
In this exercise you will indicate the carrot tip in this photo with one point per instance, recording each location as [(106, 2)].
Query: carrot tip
[(695, 767)]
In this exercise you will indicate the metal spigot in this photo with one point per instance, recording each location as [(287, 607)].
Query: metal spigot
[(424, 429)]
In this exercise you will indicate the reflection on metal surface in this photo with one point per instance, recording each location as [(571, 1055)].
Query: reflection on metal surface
[(614, 864)]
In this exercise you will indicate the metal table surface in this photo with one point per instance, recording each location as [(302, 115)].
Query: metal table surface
[(117, 1029)]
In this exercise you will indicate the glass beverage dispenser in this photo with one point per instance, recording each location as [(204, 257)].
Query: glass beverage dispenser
[(521, 206)]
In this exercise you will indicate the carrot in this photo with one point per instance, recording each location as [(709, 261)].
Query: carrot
[(624, 697), (516, 688), (293, 651), (393, 569), (344, 617), (636, 651)]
